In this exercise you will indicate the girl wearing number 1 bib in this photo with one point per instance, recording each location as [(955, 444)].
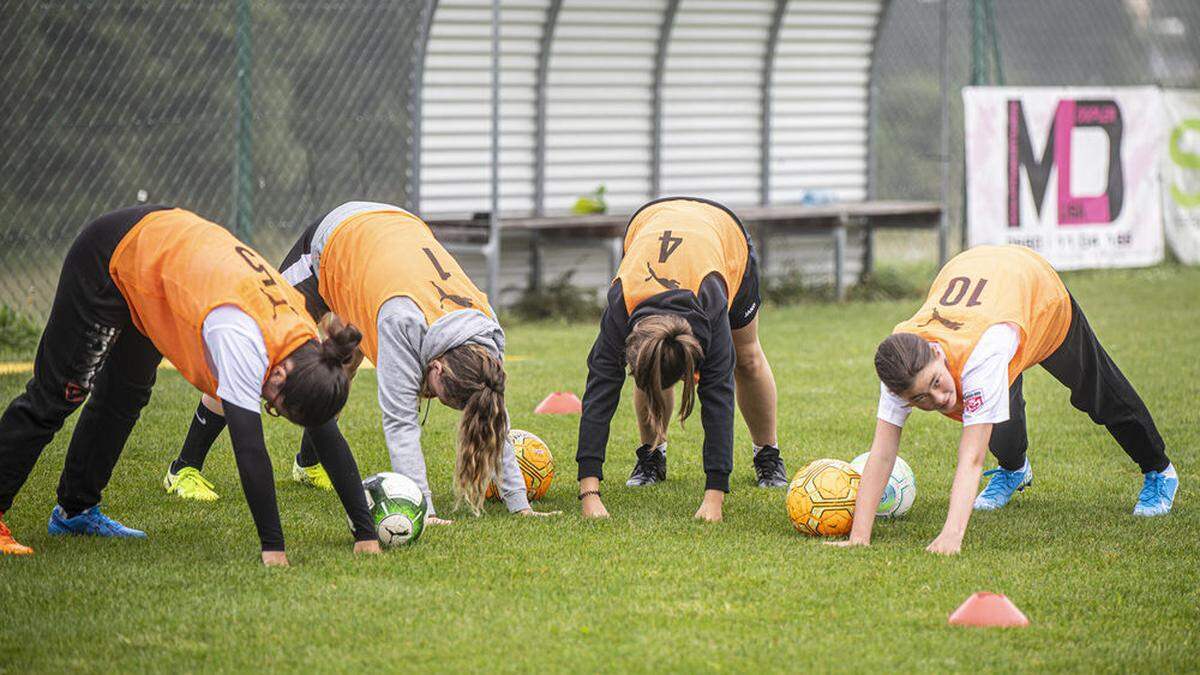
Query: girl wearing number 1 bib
[(992, 313), (430, 333)]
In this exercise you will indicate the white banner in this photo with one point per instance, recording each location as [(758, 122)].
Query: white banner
[(1069, 172), (1181, 174)]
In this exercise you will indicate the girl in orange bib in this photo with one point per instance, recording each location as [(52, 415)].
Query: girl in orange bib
[(992, 313), (683, 308), (151, 281), (430, 333)]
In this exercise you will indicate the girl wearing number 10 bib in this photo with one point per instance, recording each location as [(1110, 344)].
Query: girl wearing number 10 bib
[(992, 313), (430, 333)]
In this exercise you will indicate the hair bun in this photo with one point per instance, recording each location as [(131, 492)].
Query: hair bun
[(340, 345)]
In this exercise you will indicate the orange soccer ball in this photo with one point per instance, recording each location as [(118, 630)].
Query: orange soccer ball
[(820, 498), (536, 462)]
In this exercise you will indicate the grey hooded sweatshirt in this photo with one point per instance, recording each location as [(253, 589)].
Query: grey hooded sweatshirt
[(406, 346)]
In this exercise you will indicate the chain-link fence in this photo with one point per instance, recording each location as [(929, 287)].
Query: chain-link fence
[(1058, 43), (261, 114), (256, 115)]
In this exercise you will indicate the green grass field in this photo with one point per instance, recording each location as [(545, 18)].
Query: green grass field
[(650, 589)]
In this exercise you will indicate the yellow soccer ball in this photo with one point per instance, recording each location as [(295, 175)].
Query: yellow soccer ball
[(820, 499), (536, 462)]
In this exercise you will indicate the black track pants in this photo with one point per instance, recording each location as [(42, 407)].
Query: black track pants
[(89, 346), (1099, 389)]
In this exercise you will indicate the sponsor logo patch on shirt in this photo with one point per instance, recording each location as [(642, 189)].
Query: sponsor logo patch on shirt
[(973, 401)]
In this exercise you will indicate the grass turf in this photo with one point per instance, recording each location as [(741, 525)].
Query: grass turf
[(650, 589)]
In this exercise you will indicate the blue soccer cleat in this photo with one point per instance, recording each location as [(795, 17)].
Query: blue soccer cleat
[(1158, 493), (1003, 485), (90, 522)]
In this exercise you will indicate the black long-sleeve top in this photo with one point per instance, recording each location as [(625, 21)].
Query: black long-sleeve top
[(258, 478), (708, 315)]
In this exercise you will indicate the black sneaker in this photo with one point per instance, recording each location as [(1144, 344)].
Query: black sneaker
[(768, 468), (651, 467)]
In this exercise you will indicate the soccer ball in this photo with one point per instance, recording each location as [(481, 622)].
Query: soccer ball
[(536, 462), (398, 507), (820, 499), (901, 487)]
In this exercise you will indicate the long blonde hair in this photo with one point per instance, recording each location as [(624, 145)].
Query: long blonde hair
[(473, 381), (661, 350)]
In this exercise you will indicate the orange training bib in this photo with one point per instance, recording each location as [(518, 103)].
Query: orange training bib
[(174, 267), (675, 244), (987, 285), (375, 256)]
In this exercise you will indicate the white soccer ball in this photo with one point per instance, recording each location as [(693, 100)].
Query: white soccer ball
[(901, 487), (398, 506)]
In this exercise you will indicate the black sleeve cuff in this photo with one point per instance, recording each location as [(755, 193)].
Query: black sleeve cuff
[(591, 468), (717, 481)]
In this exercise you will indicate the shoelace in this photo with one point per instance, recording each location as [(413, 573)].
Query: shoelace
[(1008, 480), (646, 466), (766, 462), (1152, 489), (195, 477), (642, 469)]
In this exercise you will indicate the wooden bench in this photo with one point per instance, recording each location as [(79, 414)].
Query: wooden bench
[(763, 222)]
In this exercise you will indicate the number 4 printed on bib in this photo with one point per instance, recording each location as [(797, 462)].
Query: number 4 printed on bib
[(669, 245)]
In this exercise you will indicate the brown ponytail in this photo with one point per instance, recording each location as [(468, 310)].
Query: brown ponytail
[(318, 383), (899, 358), (661, 350), (473, 381)]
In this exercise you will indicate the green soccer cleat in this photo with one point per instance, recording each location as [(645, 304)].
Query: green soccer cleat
[(189, 483), (312, 476)]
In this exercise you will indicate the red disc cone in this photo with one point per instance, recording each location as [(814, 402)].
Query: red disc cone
[(559, 403), (988, 609)]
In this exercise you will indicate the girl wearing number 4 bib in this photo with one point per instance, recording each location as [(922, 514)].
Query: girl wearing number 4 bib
[(683, 308), (431, 334), (994, 312)]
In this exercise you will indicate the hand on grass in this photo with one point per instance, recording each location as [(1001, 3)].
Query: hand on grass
[(593, 507), (710, 507), (539, 514), (369, 546), (274, 559), (434, 520), (847, 543), (945, 545)]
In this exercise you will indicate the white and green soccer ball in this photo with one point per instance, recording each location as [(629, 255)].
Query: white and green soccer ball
[(398, 507), (901, 487)]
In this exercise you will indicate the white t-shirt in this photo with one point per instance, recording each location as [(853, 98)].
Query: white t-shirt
[(984, 381), (237, 355)]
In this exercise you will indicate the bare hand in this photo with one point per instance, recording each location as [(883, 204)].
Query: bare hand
[(434, 520), (593, 507), (710, 507), (847, 543), (539, 514), (945, 545), (274, 558), (369, 546)]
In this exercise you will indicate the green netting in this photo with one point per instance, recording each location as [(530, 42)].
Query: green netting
[(257, 115)]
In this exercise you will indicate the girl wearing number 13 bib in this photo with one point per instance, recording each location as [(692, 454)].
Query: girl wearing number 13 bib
[(147, 282), (430, 333), (992, 313)]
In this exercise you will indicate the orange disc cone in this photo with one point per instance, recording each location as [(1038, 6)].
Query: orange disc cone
[(988, 609), (559, 403)]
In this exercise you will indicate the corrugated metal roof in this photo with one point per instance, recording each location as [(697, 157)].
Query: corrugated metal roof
[(599, 101)]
